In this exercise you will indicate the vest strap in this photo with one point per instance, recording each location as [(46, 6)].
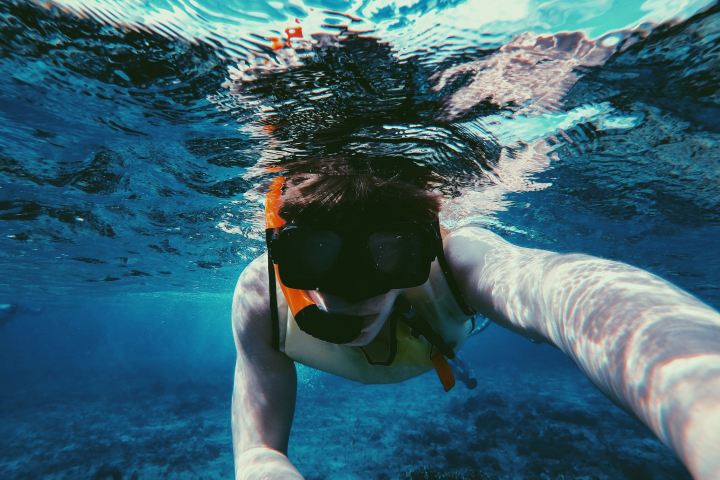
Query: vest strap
[(391, 325), (274, 314), (420, 326), (453, 284)]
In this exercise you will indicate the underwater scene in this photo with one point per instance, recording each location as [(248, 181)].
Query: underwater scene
[(138, 140)]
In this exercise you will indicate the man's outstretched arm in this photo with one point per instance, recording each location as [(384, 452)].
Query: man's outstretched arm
[(647, 344), (265, 384)]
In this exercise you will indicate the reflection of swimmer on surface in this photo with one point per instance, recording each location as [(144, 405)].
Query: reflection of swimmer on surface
[(530, 74), (361, 281)]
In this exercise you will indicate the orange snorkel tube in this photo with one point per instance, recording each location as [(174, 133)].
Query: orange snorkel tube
[(297, 299), (329, 327)]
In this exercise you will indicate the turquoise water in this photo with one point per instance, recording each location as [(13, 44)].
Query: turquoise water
[(134, 138)]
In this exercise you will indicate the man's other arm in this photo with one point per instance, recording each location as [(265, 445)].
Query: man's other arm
[(646, 343), (265, 384)]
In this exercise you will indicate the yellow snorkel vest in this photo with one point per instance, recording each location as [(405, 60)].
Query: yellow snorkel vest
[(432, 301)]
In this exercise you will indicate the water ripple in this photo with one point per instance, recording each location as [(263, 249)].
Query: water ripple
[(134, 135)]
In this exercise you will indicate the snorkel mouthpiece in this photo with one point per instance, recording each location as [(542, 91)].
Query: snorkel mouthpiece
[(329, 327)]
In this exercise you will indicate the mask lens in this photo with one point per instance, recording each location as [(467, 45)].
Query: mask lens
[(403, 256), (308, 255)]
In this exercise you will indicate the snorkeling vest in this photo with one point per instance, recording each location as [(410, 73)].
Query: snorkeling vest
[(426, 326)]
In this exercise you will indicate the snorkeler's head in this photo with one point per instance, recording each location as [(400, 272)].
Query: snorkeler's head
[(354, 230)]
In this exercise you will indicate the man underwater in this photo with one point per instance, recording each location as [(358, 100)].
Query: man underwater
[(361, 282)]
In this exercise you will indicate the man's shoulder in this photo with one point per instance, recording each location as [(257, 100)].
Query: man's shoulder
[(251, 307), (254, 278)]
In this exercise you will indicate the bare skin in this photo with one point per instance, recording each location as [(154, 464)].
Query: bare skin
[(265, 381), (647, 344), (265, 384)]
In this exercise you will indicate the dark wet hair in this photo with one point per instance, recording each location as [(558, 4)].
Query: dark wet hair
[(358, 191)]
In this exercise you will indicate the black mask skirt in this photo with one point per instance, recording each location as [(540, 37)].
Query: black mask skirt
[(354, 263)]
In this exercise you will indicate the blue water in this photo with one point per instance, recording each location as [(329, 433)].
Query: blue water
[(133, 142)]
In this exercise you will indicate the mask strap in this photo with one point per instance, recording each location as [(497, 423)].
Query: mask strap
[(274, 315), (450, 278)]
